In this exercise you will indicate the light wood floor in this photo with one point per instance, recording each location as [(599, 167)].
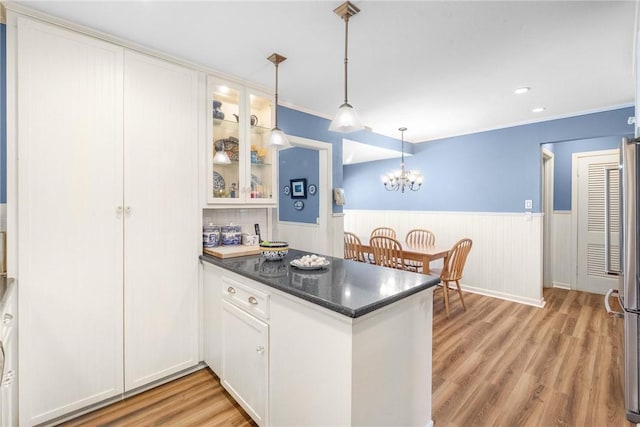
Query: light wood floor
[(497, 364)]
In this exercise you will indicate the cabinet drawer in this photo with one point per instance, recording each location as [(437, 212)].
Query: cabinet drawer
[(252, 300)]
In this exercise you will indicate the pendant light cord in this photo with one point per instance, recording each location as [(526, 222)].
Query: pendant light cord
[(346, 45), (276, 106)]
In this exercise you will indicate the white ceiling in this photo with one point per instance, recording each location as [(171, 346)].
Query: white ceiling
[(439, 68)]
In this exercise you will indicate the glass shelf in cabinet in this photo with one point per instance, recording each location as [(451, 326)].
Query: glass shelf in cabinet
[(260, 130)]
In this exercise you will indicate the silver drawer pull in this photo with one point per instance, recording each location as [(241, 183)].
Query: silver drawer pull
[(260, 349), (253, 300), (231, 290)]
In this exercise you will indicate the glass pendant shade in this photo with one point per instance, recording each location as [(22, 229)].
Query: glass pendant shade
[(277, 138), (346, 120), (220, 157)]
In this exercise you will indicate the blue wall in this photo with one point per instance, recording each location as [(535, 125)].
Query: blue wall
[(3, 113), (562, 159), (297, 123), (494, 171), (298, 163)]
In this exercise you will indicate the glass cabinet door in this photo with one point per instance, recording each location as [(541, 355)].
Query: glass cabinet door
[(225, 155), (262, 158)]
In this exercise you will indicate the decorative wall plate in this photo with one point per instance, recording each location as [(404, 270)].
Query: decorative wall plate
[(286, 190), (298, 204), (312, 189)]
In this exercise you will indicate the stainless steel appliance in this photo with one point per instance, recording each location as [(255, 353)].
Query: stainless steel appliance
[(628, 291)]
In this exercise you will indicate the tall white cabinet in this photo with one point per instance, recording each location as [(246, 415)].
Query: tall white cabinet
[(107, 218)]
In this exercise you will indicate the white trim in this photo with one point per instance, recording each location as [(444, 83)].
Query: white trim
[(562, 212), (325, 185), (547, 173), (561, 285), (500, 295), (575, 157), (337, 214), (299, 224)]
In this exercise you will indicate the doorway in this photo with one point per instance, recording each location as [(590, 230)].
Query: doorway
[(312, 236), (595, 207)]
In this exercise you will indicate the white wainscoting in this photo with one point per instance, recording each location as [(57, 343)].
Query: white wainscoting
[(563, 268), (506, 257)]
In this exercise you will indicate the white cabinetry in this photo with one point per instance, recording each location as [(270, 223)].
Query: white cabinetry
[(245, 360), (240, 121), (161, 219), (106, 145), (236, 338)]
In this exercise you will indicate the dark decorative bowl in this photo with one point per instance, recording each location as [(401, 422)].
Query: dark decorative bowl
[(273, 250)]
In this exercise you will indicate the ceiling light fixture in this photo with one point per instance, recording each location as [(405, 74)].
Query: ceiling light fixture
[(401, 179), (521, 90), (277, 138), (346, 119), (538, 109)]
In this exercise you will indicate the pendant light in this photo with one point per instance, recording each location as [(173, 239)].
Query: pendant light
[(220, 157), (277, 138), (402, 179), (346, 120)]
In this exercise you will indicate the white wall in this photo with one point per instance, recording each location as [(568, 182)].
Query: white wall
[(506, 257)]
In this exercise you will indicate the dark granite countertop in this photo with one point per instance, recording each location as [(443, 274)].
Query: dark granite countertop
[(348, 287), (5, 284)]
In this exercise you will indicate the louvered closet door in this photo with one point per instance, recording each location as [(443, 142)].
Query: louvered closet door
[(161, 218), (591, 222)]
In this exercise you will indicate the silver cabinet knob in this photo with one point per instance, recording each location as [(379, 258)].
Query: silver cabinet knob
[(127, 210), (253, 300), (118, 211), (7, 318), (260, 349), (231, 290)]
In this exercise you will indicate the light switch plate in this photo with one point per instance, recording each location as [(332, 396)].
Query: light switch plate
[(528, 204)]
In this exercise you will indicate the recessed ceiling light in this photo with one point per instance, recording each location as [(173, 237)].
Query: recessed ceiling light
[(538, 109), (521, 90)]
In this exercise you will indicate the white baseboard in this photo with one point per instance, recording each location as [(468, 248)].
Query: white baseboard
[(508, 297), (561, 285)]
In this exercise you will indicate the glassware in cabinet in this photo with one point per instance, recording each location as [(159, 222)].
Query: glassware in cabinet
[(241, 168), (224, 153), (262, 158)]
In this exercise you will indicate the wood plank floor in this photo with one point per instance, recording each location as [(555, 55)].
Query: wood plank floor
[(497, 364)]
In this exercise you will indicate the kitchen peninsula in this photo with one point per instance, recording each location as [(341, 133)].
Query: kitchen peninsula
[(345, 345)]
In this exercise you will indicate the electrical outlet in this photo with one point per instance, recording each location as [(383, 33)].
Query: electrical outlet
[(528, 204)]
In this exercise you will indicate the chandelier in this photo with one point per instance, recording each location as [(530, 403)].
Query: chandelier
[(402, 179)]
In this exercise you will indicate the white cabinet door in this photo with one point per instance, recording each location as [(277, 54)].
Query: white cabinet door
[(212, 317), (69, 233), (161, 218), (245, 360)]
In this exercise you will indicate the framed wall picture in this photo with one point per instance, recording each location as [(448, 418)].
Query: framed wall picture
[(298, 188)]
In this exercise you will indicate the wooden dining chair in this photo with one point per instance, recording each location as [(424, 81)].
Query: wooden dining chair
[(418, 237), (387, 252), (352, 247), (384, 231), (452, 270)]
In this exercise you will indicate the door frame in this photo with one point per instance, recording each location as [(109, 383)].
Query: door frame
[(575, 157), (325, 185), (548, 166)]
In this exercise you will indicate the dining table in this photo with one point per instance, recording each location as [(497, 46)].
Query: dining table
[(422, 253)]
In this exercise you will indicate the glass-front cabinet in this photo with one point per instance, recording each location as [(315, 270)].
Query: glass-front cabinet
[(241, 168)]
